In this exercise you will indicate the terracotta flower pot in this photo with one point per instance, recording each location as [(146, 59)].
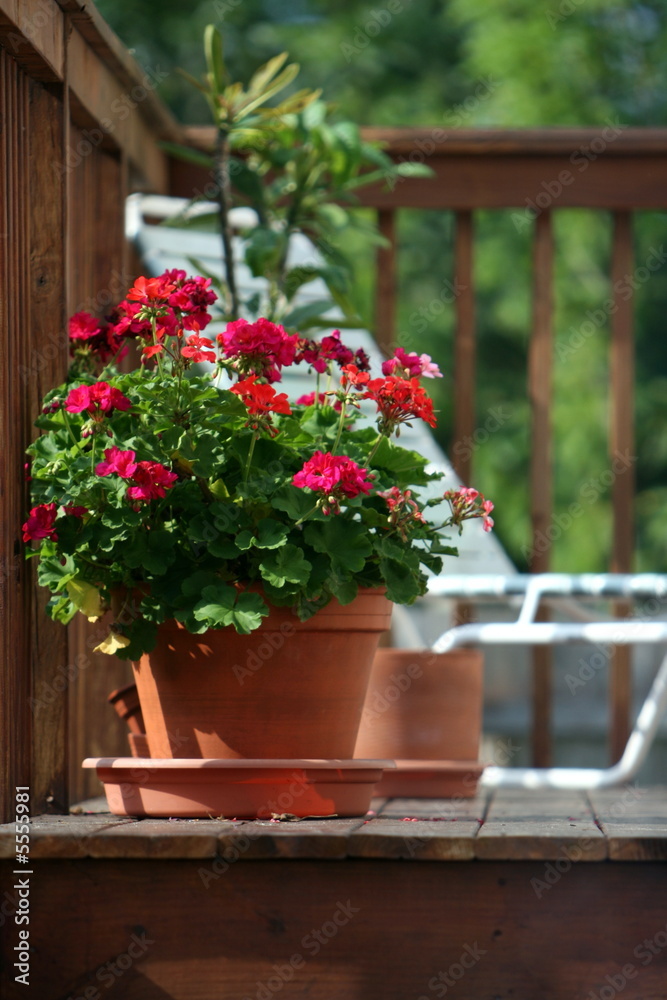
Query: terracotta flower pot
[(424, 710), (289, 690)]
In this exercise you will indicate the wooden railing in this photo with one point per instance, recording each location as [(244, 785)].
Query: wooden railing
[(536, 173), (81, 129)]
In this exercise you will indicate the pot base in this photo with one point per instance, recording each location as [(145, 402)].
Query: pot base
[(430, 779), (237, 789)]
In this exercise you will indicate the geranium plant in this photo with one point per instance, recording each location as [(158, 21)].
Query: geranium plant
[(159, 494)]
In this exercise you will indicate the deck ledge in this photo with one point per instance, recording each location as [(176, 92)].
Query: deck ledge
[(626, 824)]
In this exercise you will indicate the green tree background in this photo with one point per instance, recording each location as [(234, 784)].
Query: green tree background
[(501, 63)]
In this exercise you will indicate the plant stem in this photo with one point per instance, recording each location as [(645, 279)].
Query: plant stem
[(224, 203), (375, 447), (246, 471), (341, 425), (77, 444), (306, 516)]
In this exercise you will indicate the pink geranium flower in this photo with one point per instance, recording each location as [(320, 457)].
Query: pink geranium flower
[(261, 348), (96, 399), (410, 365), (40, 522), (117, 462), (335, 477), (466, 503)]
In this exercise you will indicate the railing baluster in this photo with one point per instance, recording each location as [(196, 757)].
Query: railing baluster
[(385, 291), (464, 348), (621, 444), (540, 394)]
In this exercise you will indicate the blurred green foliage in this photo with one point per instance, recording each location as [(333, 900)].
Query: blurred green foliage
[(505, 63)]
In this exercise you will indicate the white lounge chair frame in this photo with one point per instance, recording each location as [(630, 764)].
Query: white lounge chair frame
[(526, 632)]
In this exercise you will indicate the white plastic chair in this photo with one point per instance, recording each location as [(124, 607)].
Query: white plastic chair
[(526, 632)]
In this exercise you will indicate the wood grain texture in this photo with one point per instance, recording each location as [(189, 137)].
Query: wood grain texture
[(47, 367), (15, 297), (554, 827), (465, 349), (385, 929), (622, 463), (540, 393), (386, 284), (634, 821)]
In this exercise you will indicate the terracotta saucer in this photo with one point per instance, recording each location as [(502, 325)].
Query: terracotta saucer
[(430, 779), (237, 788)]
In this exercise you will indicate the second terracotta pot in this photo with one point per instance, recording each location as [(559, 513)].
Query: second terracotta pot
[(424, 710), (290, 689)]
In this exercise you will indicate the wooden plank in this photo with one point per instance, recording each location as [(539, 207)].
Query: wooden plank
[(503, 142), (540, 355), (634, 820), (33, 34), (558, 826), (464, 348), (529, 184), (622, 463), (385, 290), (331, 930), (109, 111), (327, 839), (527, 170), (422, 830), (15, 296), (48, 364)]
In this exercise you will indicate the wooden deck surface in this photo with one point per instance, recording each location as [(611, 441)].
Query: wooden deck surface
[(623, 824), (547, 906)]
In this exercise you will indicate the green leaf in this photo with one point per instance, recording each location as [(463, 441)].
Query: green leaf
[(214, 59), (270, 534), (221, 605), (266, 73), (215, 605), (311, 310), (402, 586), (285, 565), (52, 574), (408, 468), (407, 169), (142, 635), (248, 612), (346, 542), (345, 590), (296, 503), (187, 154), (152, 550)]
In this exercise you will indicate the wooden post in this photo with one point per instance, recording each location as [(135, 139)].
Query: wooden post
[(48, 367), (540, 392), (385, 292), (464, 348), (621, 456)]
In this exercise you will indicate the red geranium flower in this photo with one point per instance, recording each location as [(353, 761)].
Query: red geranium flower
[(150, 291), (40, 522), (152, 480), (260, 398), (194, 351), (399, 400)]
